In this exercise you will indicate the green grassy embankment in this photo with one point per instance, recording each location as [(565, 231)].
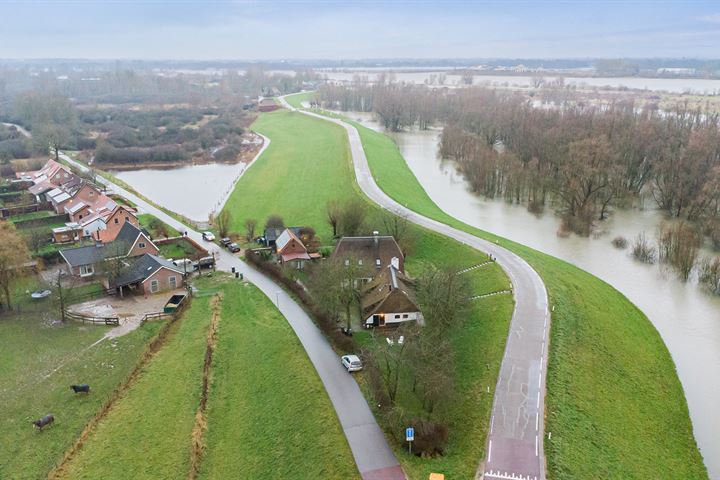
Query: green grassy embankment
[(308, 164), (149, 430), (614, 405)]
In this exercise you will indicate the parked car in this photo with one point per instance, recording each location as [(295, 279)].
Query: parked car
[(205, 262), (352, 363), (233, 247), (225, 242), (185, 264), (208, 236)]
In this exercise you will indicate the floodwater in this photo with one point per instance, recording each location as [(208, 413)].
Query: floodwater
[(675, 85), (194, 191), (687, 317)]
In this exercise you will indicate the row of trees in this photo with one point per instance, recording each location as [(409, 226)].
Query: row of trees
[(582, 159)]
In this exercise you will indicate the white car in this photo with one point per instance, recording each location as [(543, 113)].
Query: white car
[(208, 236), (352, 363)]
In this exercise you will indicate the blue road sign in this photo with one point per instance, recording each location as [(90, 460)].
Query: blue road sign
[(409, 434)]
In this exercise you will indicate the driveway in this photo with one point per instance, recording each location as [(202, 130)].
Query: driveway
[(373, 456), (515, 443)]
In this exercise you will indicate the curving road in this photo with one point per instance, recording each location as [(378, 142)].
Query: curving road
[(373, 456), (515, 443)]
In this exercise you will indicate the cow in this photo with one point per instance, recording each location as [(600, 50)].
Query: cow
[(44, 421), (84, 388)]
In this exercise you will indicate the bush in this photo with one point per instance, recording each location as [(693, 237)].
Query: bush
[(620, 242), (643, 251)]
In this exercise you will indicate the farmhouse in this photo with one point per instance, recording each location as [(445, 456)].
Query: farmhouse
[(378, 250), (145, 274), (389, 300), (87, 261)]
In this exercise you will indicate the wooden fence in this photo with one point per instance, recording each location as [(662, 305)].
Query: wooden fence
[(114, 321)]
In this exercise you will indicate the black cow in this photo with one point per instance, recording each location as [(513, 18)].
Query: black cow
[(84, 388), (44, 421)]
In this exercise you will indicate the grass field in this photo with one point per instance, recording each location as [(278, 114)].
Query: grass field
[(268, 413), (319, 150), (265, 420), (615, 406), (38, 363), (156, 227)]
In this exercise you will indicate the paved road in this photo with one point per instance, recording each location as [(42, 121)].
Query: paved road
[(515, 443), (373, 456)]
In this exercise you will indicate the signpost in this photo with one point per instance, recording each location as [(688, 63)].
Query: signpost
[(409, 437)]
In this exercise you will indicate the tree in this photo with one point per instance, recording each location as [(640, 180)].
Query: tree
[(53, 136), (352, 217), (223, 221), (333, 214), (250, 225), (336, 285), (13, 254), (274, 221), (443, 296)]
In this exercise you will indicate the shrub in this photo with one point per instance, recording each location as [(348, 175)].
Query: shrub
[(620, 242), (642, 250)]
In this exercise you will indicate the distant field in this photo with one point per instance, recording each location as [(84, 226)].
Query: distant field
[(38, 363), (318, 152), (615, 406)]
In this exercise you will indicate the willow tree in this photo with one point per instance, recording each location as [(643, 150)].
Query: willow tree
[(13, 255)]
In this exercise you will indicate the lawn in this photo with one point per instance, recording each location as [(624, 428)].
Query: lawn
[(38, 363), (265, 420), (262, 375), (614, 405), (479, 343), (156, 227), (179, 248)]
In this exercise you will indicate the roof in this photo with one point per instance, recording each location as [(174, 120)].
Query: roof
[(61, 197), (140, 268), (128, 235), (124, 241), (76, 207), (272, 234), (285, 237), (382, 247), (41, 187), (390, 291), (288, 257)]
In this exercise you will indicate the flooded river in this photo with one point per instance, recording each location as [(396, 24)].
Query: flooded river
[(687, 318), (194, 191)]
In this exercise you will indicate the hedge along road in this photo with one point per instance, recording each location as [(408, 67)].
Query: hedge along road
[(373, 456), (515, 441)]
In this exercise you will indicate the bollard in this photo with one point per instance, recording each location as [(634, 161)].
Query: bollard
[(233, 269), (237, 274), (242, 277)]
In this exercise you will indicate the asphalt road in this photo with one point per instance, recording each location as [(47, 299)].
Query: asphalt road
[(373, 456), (515, 444)]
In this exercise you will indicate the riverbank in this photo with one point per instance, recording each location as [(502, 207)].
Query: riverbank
[(615, 406)]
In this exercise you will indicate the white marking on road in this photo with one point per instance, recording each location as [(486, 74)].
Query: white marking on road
[(539, 378), (538, 401), (492, 424), (507, 476), (536, 445), (490, 451), (537, 421)]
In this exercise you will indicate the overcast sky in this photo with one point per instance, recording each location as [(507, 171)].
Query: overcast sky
[(355, 29)]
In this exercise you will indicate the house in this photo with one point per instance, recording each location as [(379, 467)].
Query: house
[(378, 250), (389, 300), (146, 274), (291, 250), (71, 232), (271, 234), (114, 219), (129, 242), (267, 105)]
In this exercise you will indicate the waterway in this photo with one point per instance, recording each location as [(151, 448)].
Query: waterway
[(687, 317), (194, 191)]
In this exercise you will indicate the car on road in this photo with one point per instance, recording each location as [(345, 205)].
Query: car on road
[(351, 362), (208, 236), (225, 242), (233, 247)]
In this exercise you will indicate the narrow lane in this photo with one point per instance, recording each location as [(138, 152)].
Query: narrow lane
[(515, 442), (374, 458)]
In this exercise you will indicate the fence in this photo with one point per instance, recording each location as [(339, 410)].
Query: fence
[(114, 321)]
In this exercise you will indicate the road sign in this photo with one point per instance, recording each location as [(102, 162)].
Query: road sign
[(409, 434)]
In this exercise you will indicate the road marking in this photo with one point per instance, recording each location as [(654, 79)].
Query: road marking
[(490, 451), (536, 445), (507, 476), (539, 378), (492, 424), (538, 401), (537, 421)]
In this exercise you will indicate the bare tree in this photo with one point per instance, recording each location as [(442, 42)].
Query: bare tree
[(223, 222), (250, 225), (274, 221), (333, 214), (13, 254), (352, 217)]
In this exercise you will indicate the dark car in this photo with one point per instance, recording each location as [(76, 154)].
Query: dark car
[(225, 242), (233, 247)]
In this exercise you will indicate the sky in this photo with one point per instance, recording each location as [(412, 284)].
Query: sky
[(357, 29)]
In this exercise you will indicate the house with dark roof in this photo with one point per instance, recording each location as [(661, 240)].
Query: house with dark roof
[(130, 242), (145, 275), (291, 250), (270, 235), (389, 300), (377, 250)]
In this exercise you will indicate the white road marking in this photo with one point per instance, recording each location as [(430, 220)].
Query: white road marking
[(490, 451), (492, 424), (536, 445), (537, 421), (507, 476)]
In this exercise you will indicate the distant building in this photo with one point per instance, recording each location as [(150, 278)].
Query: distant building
[(377, 250)]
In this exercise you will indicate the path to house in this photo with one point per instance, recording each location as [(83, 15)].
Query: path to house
[(515, 443), (373, 456)]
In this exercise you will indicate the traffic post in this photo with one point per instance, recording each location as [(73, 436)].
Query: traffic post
[(409, 437)]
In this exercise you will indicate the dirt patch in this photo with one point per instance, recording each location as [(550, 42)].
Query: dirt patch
[(152, 349), (198, 433)]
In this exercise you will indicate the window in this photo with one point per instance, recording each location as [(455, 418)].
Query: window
[(86, 270), (377, 262), (154, 286), (173, 282), (405, 315), (141, 244), (347, 263), (92, 192), (116, 221), (397, 316), (360, 262)]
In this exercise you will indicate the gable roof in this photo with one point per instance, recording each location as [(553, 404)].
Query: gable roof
[(121, 246), (390, 291), (128, 235), (88, 255), (272, 234), (382, 247), (285, 237), (140, 268)]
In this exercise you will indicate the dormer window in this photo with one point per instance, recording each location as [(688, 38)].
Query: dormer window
[(141, 244)]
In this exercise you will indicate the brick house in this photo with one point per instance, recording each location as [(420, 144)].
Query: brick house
[(144, 275), (389, 300), (291, 250)]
